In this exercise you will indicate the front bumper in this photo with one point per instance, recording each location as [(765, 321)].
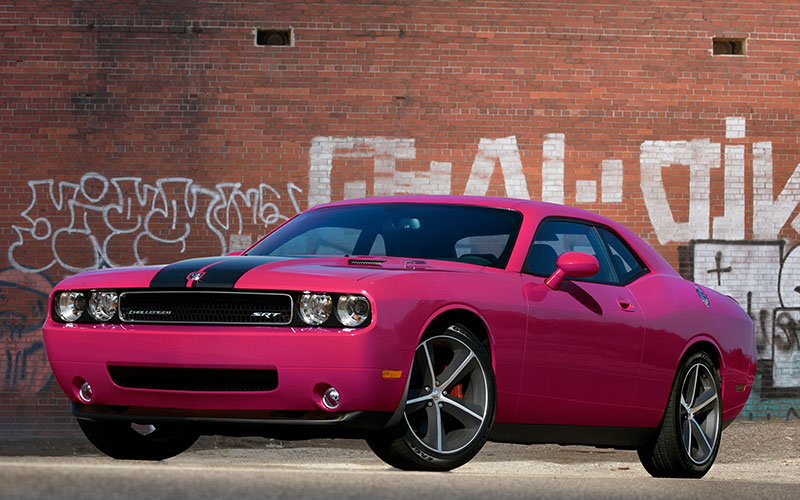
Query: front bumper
[(307, 360)]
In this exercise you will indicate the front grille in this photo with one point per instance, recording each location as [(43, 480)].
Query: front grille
[(206, 307), (194, 379)]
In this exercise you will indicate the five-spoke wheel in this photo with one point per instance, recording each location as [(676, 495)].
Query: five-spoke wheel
[(688, 440), (449, 408), (447, 399), (699, 413)]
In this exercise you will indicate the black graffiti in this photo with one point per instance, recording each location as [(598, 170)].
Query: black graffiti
[(23, 308), (719, 269), (761, 322), (17, 363), (785, 337)]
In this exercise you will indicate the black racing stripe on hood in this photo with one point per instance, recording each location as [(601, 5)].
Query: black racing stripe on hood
[(174, 275), (227, 273)]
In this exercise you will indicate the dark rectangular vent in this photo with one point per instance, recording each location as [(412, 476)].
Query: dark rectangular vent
[(274, 37), (194, 379), (206, 307), (729, 46)]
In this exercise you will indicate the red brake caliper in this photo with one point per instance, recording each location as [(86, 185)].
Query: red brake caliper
[(457, 390)]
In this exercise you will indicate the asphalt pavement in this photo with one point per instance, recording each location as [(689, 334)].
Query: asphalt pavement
[(755, 461)]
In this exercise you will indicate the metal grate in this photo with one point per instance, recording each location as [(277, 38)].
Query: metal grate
[(206, 307), (194, 379)]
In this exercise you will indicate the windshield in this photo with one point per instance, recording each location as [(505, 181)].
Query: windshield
[(476, 235)]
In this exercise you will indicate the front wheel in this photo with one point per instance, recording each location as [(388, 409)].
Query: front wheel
[(687, 442), (450, 406), (126, 441)]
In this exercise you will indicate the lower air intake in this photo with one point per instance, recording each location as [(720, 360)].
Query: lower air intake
[(194, 379)]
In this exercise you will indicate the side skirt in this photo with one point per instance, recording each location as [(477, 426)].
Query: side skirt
[(603, 437)]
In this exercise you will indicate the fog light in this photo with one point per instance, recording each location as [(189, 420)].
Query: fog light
[(331, 398), (86, 392)]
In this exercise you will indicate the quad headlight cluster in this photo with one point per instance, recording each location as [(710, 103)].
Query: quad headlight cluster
[(101, 306), (316, 308)]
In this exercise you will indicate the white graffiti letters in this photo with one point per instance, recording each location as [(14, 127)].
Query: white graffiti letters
[(101, 222), (490, 151), (769, 214), (388, 181), (701, 156)]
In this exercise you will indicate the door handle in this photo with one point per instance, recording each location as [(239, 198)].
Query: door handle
[(626, 305)]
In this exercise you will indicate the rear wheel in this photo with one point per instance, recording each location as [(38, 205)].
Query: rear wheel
[(450, 405), (126, 441), (687, 442)]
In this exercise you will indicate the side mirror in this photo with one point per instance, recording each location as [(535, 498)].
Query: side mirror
[(574, 265)]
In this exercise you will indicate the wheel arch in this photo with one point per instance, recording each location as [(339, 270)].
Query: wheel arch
[(457, 313), (466, 316), (704, 343)]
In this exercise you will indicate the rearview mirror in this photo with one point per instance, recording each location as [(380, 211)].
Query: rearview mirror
[(574, 265)]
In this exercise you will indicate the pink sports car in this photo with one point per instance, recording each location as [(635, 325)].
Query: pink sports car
[(423, 324)]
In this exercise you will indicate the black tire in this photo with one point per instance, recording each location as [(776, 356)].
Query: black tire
[(687, 441), (448, 413), (121, 441)]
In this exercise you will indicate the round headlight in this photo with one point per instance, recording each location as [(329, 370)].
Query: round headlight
[(103, 305), (70, 305), (352, 310), (315, 308)]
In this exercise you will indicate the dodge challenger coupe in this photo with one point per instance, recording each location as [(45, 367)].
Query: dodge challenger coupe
[(423, 324)]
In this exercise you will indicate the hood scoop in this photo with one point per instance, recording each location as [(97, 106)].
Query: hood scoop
[(366, 262), (389, 263)]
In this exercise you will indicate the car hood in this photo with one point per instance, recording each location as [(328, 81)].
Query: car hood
[(260, 272)]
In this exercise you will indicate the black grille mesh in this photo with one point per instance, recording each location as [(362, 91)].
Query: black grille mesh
[(194, 379), (206, 307)]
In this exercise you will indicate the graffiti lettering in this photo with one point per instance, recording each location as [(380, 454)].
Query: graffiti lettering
[(701, 156), (101, 222)]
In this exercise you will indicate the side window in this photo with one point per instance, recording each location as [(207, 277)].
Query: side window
[(624, 261), (555, 237)]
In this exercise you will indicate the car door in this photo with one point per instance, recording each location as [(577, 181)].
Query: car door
[(584, 339)]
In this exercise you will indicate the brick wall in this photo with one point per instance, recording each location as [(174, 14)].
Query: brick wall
[(146, 131)]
